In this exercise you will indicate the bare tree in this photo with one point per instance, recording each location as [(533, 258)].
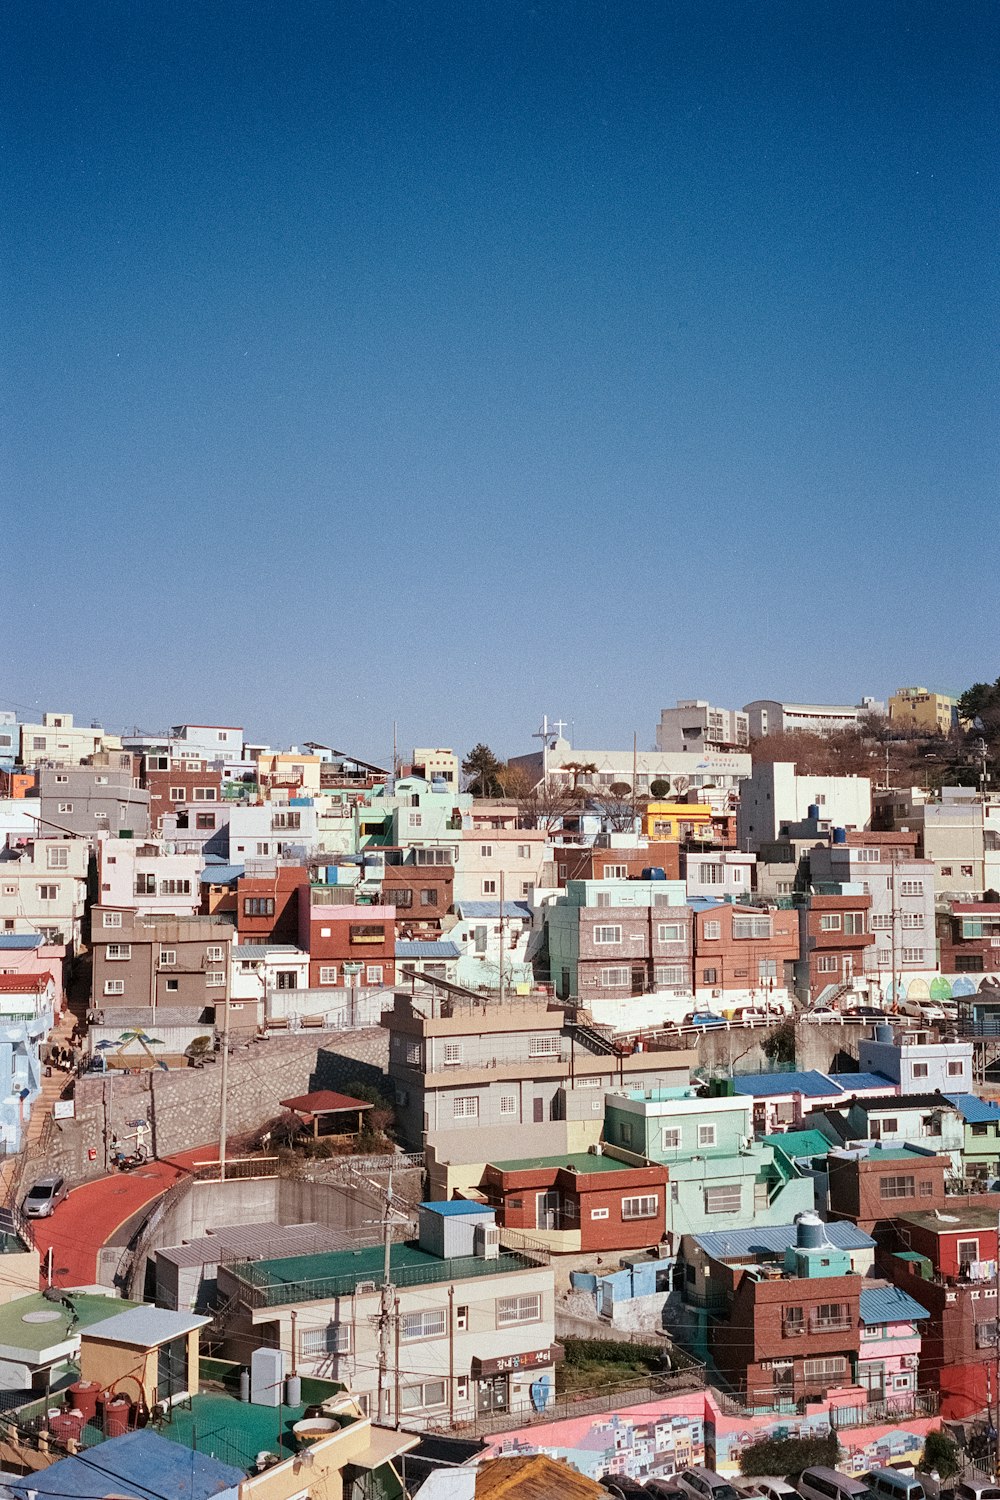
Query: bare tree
[(617, 806)]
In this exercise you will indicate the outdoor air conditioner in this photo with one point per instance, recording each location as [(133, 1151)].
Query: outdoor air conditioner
[(716, 994), (486, 1242), (365, 1286), (911, 1361)]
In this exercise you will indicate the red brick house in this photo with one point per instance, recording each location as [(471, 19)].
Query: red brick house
[(267, 906), (741, 948), (584, 862), (348, 946), (612, 1205), (968, 933), (834, 932), (174, 783), (888, 1181), (421, 894)]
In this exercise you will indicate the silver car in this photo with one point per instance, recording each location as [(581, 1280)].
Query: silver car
[(40, 1201)]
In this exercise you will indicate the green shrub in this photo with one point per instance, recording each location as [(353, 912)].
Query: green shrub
[(941, 1453), (789, 1455)]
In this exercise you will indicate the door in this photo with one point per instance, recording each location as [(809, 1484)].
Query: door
[(547, 1210), (847, 967), (638, 979), (538, 1111), (492, 1394), (784, 1380)]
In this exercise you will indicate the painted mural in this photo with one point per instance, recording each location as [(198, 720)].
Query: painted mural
[(666, 1436)]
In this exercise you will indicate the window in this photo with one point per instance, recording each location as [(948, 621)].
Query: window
[(854, 921), (883, 957), (432, 857), (671, 1138), (366, 932), (911, 920), (118, 951), (258, 906), (452, 1054), (616, 872), (177, 794), (374, 974), (526, 1308), (65, 807), (793, 1322), (670, 974), (175, 887), (946, 870), (168, 955), (669, 932), (207, 794), (215, 978), (524, 851), (486, 851), (880, 921), (643, 1207), (920, 1070), (710, 976), (489, 887), (425, 1394), (887, 1126), (895, 1187), (604, 898), (827, 963), (465, 1107), (400, 897), (751, 927), (462, 1318), (600, 1213), (430, 1324), (38, 742), (173, 985), (607, 936), (706, 1135), (204, 820), (112, 919), (62, 780), (831, 921), (712, 931), (328, 974), (114, 986), (830, 1317), (824, 1369), (508, 1104), (867, 856), (48, 892), (968, 1251), (913, 955), (713, 874), (57, 859), (214, 953), (724, 1199), (911, 887), (967, 870), (955, 1069), (428, 896), (543, 1046)]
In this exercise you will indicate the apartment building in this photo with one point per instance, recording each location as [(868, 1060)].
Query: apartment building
[(770, 716), (436, 765), (504, 860), (267, 905), (926, 1120), (347, 945), (493, 940), (89, 800), (58, 741), (833, 938), (147, 876), (743, 954), (272, 830), (921, 712), (580, 1201), (968, 935), (916, 1060), (421, 894), (873, 1183), (611, 939), (43, 888), (561, 762), (959, 833), (9, 739), (182, 963), (775, 796), (611, 857), (901, 887), (477, 1081), (720, 874), (473, 1323), (208, 742), (173, 783), (694, 726)]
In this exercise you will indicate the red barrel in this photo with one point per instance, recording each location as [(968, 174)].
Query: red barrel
[(68, 1424), (84, 1394), (116, 1415)]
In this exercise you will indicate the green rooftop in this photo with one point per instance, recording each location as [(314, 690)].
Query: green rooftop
[(232, 1430), (574, 1161), (799, 1143), (881, 1152), (336, 1273), (36, 1323)]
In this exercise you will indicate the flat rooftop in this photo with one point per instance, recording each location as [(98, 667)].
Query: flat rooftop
[(949, 1219), (315, 1278), (574, 1161)]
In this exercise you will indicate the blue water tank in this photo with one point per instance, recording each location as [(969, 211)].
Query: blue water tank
[(810, 1233), (654, 872), (813, 813), (840, 835)]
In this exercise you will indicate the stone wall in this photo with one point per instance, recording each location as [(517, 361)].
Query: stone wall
[(183, 1105)]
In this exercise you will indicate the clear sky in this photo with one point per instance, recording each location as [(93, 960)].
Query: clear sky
[(456, 363)]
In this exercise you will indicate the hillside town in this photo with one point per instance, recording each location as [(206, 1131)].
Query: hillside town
[(576, 1123)]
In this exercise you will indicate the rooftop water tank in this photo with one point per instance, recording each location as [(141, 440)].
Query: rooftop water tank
[(809, 1232), (840, 835), (813, 813), (883, 1032)]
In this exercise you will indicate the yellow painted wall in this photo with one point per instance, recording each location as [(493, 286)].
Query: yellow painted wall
[(930, 712), (323, 1477), (674, 814), (125, 1368)]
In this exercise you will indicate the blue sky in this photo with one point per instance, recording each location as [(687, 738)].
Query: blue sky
[(456, 363)]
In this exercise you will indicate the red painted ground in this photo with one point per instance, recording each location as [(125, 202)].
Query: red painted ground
[(89, 1217)]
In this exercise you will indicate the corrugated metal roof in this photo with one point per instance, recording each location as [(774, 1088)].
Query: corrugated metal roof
[(775, 1239), (974, 1110), (512, 910), (258, 950), (253, 1241), (18, 941), (139, 1463), (221, 874), (145, 1326), (419, 948), (903, 1101), (458, 1208), (887, 1304), (761, 1085), (852, 1082)]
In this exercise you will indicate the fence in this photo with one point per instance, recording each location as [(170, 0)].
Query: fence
[(258, 1290), (905, 1405), (604, 1398)]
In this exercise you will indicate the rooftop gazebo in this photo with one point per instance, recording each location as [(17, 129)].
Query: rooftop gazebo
[(324, 1105)]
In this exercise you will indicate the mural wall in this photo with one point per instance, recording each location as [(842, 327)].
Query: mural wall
[(666, 1436)]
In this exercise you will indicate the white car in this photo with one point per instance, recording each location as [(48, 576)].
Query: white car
[(924, 1010), (767, 1488)]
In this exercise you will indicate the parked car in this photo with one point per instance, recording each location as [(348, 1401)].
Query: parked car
[(890, 1484), (865, 1013), (977, 1489), (705, 1484), (767, 1487), (41, 1200), (622, 1487), (924, 1010), (703, 1018), (821, 1013), (664, 1489), (830, 1484)]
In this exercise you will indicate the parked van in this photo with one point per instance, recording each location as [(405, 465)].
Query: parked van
[(977, 1489), (831, 1484), (887, 1484)]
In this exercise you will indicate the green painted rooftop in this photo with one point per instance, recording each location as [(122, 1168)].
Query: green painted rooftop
[(798, 1143), (336, 1273), (43, 1330), (231, 1430), (576, 1161)]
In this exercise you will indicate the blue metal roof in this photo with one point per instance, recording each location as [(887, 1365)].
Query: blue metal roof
[(511, 909), (457, 1206), (221, 874), (775, 1239), (851, 1082), (704, 903), (887, 1304), (426, 949), (761, 1085), (974, 1110), (139, 1463), (21, 940)]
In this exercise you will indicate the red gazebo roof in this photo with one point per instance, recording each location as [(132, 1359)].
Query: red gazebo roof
[(323, 1102)]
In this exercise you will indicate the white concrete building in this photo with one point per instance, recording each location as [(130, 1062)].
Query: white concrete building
[(683, 770), (770, 716), (502, 860), (902, 909), (209, 742), (271, 829), (774, 795), (43, 888), (695, 727), (59, 741), (149, 876), (720, 873), (436, 765)]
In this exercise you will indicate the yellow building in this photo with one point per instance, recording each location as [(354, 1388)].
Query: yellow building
[(671, 822), (927, 713)]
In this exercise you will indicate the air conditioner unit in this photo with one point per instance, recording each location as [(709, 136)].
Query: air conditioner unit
[(365, 1286), (911, 1361), (716, 994), (486, 1242)]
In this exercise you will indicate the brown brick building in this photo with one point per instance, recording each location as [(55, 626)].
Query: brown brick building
[(584, 862), (177, 962), (612, 1205), (834, 932), (174, 783), (890, 1180), (740, 948), (267, 906)]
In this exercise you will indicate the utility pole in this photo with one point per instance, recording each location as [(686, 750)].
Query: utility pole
[(501, 937), (224, 1104), (385, 1316)]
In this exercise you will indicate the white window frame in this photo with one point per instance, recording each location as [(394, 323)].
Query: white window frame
[(375, 974), (452, 1054), (215, 979), (465, 1107), (114, 986), (168, 957), (723, 1198), (640, 1206), (707, 1135), (121, 954), (600, 1213), (428, 1323), (508, 1104), (112, 919), (712, 931), (328, 974), (57, 858), (428, 1394), (525, 1307), (616, 977), (671, 1138), (665, 929), (609, 936), (546, 1045)]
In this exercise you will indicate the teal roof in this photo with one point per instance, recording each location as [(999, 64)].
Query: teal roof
[(336, 1273), (799, 1143), (573, 1161), (887, 1304)]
